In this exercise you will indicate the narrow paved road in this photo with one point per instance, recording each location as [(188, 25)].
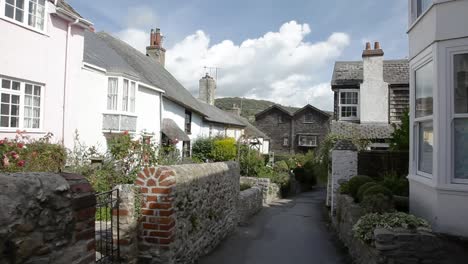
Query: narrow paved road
[(289, 231)]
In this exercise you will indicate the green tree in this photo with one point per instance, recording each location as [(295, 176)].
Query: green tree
[(400, 136)]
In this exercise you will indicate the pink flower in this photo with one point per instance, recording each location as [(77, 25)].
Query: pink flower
[(20, 145), (15, 156), (21, 163), (125, 132), (2, 142)]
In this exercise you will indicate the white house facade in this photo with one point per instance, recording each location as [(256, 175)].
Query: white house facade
[(42, 51), (438, 171)]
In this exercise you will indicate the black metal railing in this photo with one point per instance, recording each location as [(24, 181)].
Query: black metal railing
[(107, 227)]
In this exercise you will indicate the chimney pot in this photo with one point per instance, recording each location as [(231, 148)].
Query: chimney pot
[(368, 46), (377, 45)]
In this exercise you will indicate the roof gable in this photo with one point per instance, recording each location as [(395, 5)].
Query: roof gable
[(273, 107), (350, 73), (311, 107)]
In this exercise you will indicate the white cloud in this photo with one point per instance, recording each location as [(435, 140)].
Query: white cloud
[(280, 66)]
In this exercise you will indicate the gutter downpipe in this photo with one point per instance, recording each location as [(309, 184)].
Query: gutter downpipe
[(65, 86)]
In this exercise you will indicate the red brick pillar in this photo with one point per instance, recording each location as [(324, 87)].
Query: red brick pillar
[(83, 203), (157, 225)]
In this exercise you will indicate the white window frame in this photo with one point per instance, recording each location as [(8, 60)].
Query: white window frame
[(120, 96), (286, 142), (419, 120), (452, 114), (309, 146), (25, 22), (340, 105), (21, 93)]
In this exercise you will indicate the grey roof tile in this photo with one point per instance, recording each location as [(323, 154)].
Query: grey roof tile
[(364, 131), (350, 73)]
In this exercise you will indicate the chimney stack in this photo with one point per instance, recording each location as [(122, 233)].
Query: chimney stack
[(376, 52), (235, 110), (155, 49), (207, 89)]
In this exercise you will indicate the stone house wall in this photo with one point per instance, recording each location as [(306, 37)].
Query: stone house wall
[(268, 123), (320, 127), (46, 218), (270, 190), (186, 210)]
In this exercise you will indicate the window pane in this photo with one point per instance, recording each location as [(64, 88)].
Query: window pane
[(14, 110), (37, 90), (15, 99), (19, 15), (15, 86), (125, 96), (461, 148), (20, 4), (5, 109), (424, 88), (426, 144), (6, 84), (14, 122), (423, 5), (28, 89), (11, 2), (112, 94), (9, 11), (4, 121), (461, 83), (5, 98), (28, 112), (37, 101), (36, 123)]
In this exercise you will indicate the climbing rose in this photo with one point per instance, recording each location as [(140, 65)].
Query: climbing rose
[(20, 145), (21, 163), (15, 155), (125, 132)]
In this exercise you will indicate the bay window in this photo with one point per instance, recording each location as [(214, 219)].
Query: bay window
[(424, 131), (112, 93), (31, 13), (349, 105), (20, 105), (460, 116)]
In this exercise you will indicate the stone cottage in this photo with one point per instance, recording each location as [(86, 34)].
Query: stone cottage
[(293, 131), (369, 96)]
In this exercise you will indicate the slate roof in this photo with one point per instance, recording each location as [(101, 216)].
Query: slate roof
[(290, 110), (350, 73), (364, 131), (171, 130), (105, 51), (65, 6)]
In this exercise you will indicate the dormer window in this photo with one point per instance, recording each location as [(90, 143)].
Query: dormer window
[(31, 13)]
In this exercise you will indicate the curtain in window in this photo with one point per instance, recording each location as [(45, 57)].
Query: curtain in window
[(112, 94), (125, 96), (132, 97)]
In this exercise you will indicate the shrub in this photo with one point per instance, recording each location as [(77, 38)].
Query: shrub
[(401, 135), (363, 188), (377, 189), (356, 182), (281, 166), (251, 162), (224, 149), (378, 203), (202, 149), (398, 185), (364, 228), (33, 155), (310, 178), (344, 188)]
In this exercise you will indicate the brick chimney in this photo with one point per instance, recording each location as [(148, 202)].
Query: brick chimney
[(373, 99), (155, 49)]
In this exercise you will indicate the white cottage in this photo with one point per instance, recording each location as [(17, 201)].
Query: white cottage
[(40, 62), (438, 38)]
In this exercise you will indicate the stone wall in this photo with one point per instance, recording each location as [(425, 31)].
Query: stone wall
[(46, 218), (250, 203), (271, 191), (398, 246), (187, 210)]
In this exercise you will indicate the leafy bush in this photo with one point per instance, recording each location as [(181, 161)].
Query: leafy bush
[(344, 188), (281, 166), (224, 149), (377, 189), (355, 183), (401, 134), (398, 185), (34, 155), (202, 149), (363, 188), (251, 162), (364, 228), (378, 203)]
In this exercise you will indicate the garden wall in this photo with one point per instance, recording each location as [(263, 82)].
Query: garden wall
[(250, 203), (390, 246), (270, 190), (375, 163), (46, 218), (187, 210)]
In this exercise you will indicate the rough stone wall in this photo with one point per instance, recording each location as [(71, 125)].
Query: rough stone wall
[(250, 203), (399, 246), (320, 127), (268, 123), (271, 191), (46, 218), (344, 166), (187, 210)]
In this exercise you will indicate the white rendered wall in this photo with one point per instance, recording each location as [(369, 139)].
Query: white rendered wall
[(344, 166), (36, 57), (373, 96), (148, 109)]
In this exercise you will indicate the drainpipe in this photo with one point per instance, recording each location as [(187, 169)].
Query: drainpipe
[(65, 81), (161, 109)]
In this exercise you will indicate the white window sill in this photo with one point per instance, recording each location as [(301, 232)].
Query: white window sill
[(120, 113), (30, 131), (25, 26)]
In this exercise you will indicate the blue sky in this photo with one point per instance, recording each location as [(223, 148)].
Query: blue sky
[(201, 32)]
